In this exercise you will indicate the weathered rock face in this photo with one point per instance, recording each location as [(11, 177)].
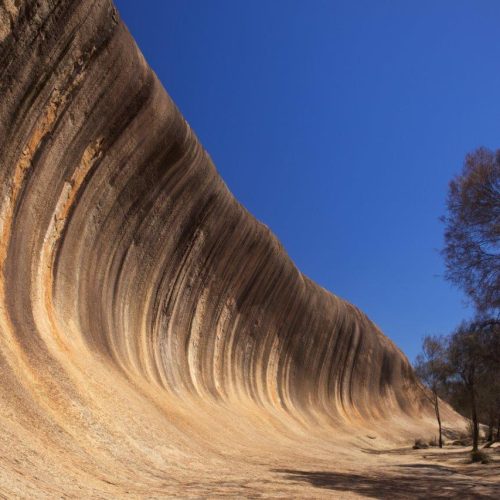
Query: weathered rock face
[(148, 322)]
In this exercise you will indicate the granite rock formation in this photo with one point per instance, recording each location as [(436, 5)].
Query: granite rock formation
[(154, 337)]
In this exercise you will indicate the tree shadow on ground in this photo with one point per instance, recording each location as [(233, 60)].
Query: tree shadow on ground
[(430, 482)]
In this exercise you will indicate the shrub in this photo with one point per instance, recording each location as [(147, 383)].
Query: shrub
[(480, 456), (420, 444)]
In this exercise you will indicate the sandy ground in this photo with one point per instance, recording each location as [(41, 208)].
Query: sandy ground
[(407, 473), (400, 473)]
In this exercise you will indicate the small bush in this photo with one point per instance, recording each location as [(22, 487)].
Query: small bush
[(480, 456), (420, 444), (433, 442)]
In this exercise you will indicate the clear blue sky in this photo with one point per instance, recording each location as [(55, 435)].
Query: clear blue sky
[(339, 125)]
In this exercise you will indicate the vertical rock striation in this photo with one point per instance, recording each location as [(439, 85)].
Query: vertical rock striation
[(139, 301)]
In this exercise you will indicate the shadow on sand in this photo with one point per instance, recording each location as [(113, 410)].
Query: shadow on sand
[(419, 481)]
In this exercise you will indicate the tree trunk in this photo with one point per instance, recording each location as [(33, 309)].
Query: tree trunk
[(498, 430), (475, 424), (438, 416)]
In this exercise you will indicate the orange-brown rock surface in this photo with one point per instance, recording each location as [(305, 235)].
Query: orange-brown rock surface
[(155, 339)]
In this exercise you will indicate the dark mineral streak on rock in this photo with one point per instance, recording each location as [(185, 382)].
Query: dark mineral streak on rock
[(151, 328)]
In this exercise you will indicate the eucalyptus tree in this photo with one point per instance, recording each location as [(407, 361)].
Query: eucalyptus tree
[(472, 230), (432, 368)]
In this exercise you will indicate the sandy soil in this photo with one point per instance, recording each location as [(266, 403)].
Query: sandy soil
[(406, 473), (401, 473)]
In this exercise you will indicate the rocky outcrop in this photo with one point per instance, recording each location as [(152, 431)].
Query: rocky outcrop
[(148, 321)]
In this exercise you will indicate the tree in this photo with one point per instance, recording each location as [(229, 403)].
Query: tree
[(432, 369), (489, 384), (474, 358), (489, 403), (472, 230)]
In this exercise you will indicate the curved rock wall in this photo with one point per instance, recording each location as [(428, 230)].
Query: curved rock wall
[(136, 294)]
